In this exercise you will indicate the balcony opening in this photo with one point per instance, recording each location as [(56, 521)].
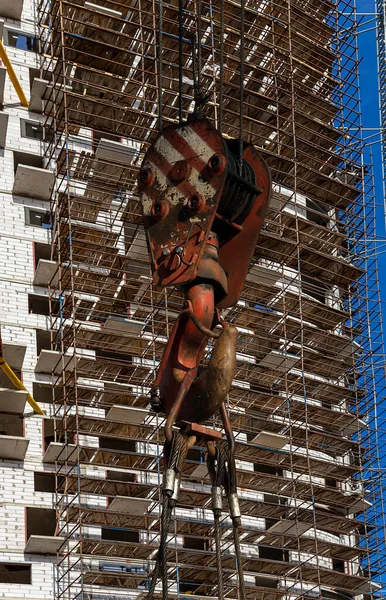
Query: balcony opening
[(270, 469), (331, 483), (106, 443), (42, 392), (49, 433), (19, 573), (194, 454), (41, 251), (274, 499), (120, 535), (270, 553), (266, 581), (188, 588), (121, 476), (43, 340), (316, 213), (338, 565), (11, 425), (33, 74), (38, 305), (40, 521), (193, 543), (25, 158), (314, 288)]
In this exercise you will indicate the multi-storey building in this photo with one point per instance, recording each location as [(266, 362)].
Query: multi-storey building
[(84, 328)]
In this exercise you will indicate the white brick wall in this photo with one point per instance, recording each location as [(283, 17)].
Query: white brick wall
[(18, 326)]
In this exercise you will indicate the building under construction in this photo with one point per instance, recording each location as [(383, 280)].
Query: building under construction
[(84, 327)]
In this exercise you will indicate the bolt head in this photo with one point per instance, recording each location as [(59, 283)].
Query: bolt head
[(179, 171), (145, 177), (196, 203), (159, 209), (216, 164)]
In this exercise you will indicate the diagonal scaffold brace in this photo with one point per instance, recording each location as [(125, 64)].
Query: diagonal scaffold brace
[(204, 200)]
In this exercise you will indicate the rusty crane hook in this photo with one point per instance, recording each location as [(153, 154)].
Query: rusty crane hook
[(203, 207)]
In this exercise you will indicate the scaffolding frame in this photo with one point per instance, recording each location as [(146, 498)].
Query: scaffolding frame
[(307, 399)]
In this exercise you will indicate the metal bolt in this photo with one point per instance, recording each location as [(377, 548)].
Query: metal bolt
[(179, 250), (166, 251), (195, 203), (145, 177), (216, 163)]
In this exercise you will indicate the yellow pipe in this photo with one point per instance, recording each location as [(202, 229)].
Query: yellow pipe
[(19, 385), (12, 75)]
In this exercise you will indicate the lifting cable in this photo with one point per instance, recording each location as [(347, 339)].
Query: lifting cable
[(221, 73), (221, 452), (222, 472), (160, 61)]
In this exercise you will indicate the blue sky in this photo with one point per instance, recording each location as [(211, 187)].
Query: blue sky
[(370, 113)]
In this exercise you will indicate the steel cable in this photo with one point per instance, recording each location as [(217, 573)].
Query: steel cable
[(240, 570), (160, 61), (242, 48), (221, 75), (217, 538), (175, 454)]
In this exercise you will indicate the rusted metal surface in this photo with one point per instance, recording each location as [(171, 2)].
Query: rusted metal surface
[(180, 187), (236, 253)]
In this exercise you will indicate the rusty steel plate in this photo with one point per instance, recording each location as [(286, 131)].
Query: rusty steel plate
[(180, 183)]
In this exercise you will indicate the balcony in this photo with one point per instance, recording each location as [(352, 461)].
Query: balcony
[(40, 531), (58, 452), (115, 151), (122, 326), (14, 354), (38, 90), (46, 273), (52, 361), (201, 471), (127, 414), (13, 444), (12, 401), (33, 182), (43, 544), (13, 447), (131, 506), (11, 9), (268, 439)]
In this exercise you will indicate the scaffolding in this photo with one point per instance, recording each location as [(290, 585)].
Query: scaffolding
[(307, 395)]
